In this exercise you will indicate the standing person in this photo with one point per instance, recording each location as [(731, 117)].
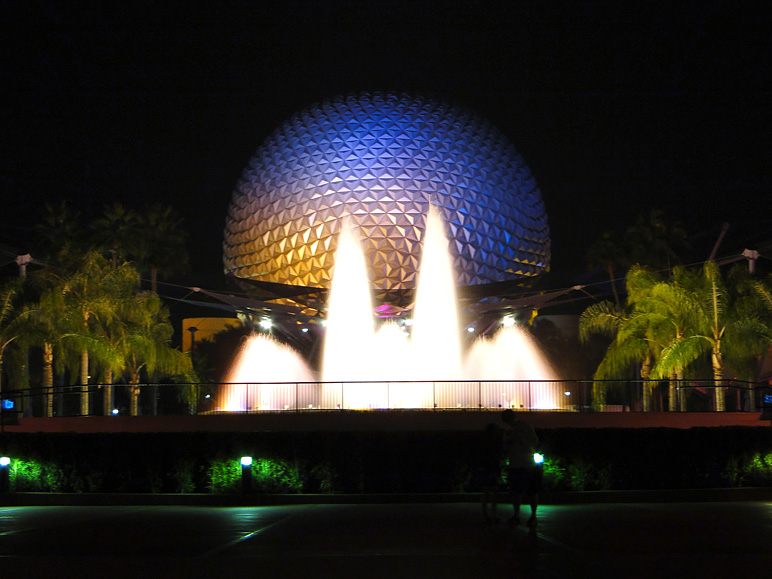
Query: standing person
[(523, 476)]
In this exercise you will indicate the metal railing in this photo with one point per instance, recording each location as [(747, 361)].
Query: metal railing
[(559, 395)]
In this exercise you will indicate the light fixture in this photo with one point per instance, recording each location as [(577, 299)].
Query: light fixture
[(246, 474), (266, 323), (4, 461), (508, 321)]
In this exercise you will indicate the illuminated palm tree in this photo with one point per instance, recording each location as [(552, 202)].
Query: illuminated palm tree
[(45, 329), (147, 345), (635, 339), (719, 323), (11, 318), (90, 298)]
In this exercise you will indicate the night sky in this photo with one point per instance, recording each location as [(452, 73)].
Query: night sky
[(617, 107)]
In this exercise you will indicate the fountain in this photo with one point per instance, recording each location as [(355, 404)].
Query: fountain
[(364, 369)]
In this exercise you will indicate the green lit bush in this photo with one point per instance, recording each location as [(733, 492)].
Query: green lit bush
[(382, 462), (749, 470), (225, 476), (275, 476), (32, 476)]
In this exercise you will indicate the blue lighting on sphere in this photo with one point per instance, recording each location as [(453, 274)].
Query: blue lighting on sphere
[(381, 159)]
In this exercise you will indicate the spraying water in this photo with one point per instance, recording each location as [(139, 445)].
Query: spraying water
[(436, 340), (261, 360), (364, 369), (349, 335)]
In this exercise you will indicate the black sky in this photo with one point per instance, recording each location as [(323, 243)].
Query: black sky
[(617, 107)]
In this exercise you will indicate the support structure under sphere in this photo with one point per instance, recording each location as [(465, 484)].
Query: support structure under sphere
[(381, 160)]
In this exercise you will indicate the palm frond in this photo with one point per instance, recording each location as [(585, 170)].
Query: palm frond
[(677, 355), (601, 318)]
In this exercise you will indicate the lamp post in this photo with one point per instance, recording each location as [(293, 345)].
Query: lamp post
[(192, 330), (246, 474), (5, 467)]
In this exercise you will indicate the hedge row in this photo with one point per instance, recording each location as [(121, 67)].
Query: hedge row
[(381, 462)]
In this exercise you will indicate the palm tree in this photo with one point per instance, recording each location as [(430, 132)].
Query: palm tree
[(90, 298), (665, 311), (162, 242), (113, 331), (607, 252), (604, 318), (655, 241), (148, 344), (635, 338), (58, 235), (719, 321), (116, 232), (44, 329), (11, 318)]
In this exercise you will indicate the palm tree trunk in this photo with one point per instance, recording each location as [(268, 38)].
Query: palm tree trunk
[(646, 383), (134, 395), (718, 380), (107, 390), (48, 378), (671, 392), (84, 383), (599, 396)]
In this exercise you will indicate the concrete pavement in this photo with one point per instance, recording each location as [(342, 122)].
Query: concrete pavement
[(445, 540)]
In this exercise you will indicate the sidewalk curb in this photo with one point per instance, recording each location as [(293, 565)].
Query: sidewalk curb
[(209, 500)]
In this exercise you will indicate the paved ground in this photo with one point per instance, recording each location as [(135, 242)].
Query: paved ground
[(387, 540)]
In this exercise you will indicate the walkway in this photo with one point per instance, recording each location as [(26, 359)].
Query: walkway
[(387, 540)]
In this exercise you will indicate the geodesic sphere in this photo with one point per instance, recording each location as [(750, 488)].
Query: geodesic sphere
[(381, 159)]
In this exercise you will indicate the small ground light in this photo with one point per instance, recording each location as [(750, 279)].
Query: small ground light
[(538, 458), (5, 475), (246, 474), (115, 411), (470, 329)]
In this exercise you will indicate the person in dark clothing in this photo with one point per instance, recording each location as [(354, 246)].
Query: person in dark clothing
[(523, 475)]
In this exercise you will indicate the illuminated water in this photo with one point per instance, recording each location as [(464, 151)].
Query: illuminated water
[(436, 337), (365, 369), (261, 360)]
